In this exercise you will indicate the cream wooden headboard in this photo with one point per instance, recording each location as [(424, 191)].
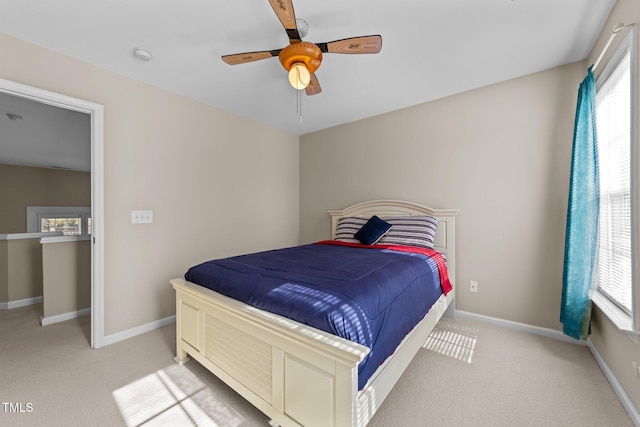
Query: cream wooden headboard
[(445, 234)]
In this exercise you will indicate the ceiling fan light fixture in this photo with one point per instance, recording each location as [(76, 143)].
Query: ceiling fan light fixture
[(300, 58), (141, 54), (299, 76)]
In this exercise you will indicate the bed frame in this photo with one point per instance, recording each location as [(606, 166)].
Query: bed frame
[(296, 374)]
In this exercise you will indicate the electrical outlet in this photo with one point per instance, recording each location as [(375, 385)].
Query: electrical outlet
[(473, 286), (636, 369)]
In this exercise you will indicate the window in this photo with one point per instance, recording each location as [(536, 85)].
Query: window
[(68, 226), (70, 220), (614, 276)]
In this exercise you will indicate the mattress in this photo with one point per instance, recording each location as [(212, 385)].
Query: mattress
[(372, 295)]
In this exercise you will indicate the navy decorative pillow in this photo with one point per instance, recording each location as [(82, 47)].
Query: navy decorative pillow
[(372, 231)]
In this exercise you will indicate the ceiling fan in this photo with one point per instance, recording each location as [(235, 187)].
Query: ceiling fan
[(300, 58)]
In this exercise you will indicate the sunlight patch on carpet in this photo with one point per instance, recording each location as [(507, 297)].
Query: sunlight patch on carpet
[(452, 339), (173, 396)]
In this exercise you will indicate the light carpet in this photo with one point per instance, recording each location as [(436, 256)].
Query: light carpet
[(469, 374)]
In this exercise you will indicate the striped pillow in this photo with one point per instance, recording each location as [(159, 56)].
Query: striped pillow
[(419, 230), (348, 226)]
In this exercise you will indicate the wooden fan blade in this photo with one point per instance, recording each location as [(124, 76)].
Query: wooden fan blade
[(241, 58), (286, 15), (364, 44), (314, 87)]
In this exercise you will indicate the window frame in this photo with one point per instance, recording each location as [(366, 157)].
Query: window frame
[(36, 213), (627, 323)]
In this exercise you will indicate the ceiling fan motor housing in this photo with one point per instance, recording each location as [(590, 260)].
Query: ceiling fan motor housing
[(305, 52)]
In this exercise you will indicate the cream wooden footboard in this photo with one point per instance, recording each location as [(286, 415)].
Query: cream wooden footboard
[(296, 374)]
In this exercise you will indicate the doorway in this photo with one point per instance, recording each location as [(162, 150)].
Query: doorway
[(96, 114)]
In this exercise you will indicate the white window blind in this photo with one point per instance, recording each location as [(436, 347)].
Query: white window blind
[(613, 106)]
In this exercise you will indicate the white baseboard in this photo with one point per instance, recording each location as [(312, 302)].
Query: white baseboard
[(20, 303), (546, 332), (625, 400), (44, 321), (130, 333)]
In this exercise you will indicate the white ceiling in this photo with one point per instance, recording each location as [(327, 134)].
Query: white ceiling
[(45, 136), (431, 48)]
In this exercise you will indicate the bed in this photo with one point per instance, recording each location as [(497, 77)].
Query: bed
[(295, 373)]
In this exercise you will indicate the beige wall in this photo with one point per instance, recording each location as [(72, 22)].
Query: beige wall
[(218, 184), (500, 154), (4, 270), (618, 350), (24, 269), (22, 186), (66, 271)]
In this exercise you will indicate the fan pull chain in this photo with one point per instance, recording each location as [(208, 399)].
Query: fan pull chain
[(299, 104)]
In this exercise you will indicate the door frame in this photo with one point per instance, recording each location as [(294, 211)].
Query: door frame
[(96, 113)]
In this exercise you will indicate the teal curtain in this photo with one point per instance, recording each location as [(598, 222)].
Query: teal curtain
[(582, 216)]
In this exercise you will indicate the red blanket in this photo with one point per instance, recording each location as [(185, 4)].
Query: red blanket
[(445, 284)]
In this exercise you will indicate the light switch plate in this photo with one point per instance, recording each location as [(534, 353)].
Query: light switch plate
[(141, 217)]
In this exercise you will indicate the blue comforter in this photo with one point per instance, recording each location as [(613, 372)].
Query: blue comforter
[(370, 296)]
